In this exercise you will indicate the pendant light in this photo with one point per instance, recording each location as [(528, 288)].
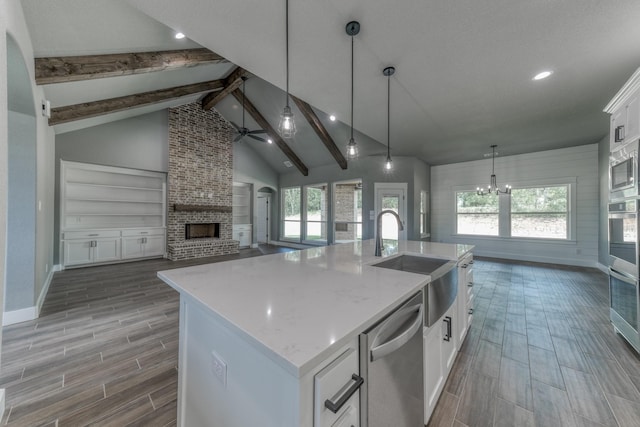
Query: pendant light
[(353, 28), (287, 126), (493, 186), (388, 165)]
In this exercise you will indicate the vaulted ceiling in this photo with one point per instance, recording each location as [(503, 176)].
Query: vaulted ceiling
[(463, 69)]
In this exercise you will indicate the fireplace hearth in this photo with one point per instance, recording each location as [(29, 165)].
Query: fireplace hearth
[(202, 231)]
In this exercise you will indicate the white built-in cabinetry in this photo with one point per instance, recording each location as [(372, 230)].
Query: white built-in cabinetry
[(444, 338), (465, 297), (242, 229), (625, 113), (109, 214), (440, 353)]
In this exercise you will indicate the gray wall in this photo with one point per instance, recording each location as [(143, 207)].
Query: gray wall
[(575, 165), (603, 224), (370, 170), (20, 289), (139, 143), (249, 168)]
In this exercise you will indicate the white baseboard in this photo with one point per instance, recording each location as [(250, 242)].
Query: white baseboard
[(2, 402), (45, 289), (30, 313), (602, 268), (254, 245), (19, 316), (538, 258)]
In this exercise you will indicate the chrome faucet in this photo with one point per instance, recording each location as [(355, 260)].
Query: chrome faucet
[(379, 245)]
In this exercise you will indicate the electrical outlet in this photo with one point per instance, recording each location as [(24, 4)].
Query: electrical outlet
[(219, 368)]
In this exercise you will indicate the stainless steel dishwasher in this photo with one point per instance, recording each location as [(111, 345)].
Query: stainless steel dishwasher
[(391, 362)]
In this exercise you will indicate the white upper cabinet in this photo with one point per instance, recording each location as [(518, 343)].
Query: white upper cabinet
[(625, 113)]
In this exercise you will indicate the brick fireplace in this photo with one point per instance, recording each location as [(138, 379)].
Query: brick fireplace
[(200, 183)]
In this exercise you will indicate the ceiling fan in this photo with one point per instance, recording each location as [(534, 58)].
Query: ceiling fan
[(243, 131)]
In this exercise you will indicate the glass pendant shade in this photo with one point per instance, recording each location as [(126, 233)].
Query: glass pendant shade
[(287, 126), (388, 164), (352, 149)]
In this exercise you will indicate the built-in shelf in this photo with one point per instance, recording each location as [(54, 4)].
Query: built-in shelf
[(108, 204)]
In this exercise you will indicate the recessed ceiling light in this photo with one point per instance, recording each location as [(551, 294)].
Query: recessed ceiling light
[(542, 75), (332, 118), (179, 36), (270, 141)]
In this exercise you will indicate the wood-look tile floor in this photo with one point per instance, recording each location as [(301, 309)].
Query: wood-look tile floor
[(104, 350), (541, 352)]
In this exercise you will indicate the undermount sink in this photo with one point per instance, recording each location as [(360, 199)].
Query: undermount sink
[(413, 264)]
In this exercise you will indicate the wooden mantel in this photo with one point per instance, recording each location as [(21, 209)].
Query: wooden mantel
[(202, 208)]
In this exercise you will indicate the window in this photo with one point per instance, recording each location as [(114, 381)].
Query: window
[(316, 212), (540, 212), (424, 213), (477, 214), (291, 213), (348, 211)]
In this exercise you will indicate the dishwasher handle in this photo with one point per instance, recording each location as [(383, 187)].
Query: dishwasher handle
[(335, 406), (388, 347)]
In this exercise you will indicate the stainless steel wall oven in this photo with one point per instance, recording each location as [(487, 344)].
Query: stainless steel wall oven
[(623, 269)]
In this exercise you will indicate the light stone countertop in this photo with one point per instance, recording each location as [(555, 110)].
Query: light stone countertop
[(299, 307)]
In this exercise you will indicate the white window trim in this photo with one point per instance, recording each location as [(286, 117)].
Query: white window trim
[(304, 221), (504, 214), (282, 221)]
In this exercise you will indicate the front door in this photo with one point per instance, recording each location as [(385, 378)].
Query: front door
[(263, 219)]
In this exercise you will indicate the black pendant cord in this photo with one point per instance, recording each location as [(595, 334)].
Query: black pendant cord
[(243, 92), (287, 45), (351, 88), (388, 116)]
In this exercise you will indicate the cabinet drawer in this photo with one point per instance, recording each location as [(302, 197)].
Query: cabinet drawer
[(329, 384), (143, 232), (90, 234)]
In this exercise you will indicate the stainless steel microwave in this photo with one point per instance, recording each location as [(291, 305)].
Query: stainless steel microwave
[(623, 172)]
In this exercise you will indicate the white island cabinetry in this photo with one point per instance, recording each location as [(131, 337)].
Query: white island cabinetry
[(266, 340)]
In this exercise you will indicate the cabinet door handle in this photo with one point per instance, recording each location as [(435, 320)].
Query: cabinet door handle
[(94, 235), (335, 406), (471, 311), (619, 134), (463, 266), (470, 284), (447, 320)]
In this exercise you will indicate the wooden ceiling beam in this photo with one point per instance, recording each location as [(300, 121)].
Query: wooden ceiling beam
[(264, 124), (74, 68), (231, 83), (320, 130), (86, 110)]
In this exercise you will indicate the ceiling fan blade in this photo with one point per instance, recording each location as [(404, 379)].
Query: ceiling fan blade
[(258, 131), (235, 126), (238, 138), (257, 138)]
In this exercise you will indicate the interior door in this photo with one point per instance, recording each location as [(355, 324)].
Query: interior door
[(263, 219), (392, 197)]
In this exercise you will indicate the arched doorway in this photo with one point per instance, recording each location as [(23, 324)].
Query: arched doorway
[(19, 290)]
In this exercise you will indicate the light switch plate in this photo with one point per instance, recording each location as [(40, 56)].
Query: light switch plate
[(219, 368)]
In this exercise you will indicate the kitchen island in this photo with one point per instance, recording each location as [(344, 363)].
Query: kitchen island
[(254, 332)]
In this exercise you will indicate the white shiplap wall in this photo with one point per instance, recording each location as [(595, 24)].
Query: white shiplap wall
[(577, 164)]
